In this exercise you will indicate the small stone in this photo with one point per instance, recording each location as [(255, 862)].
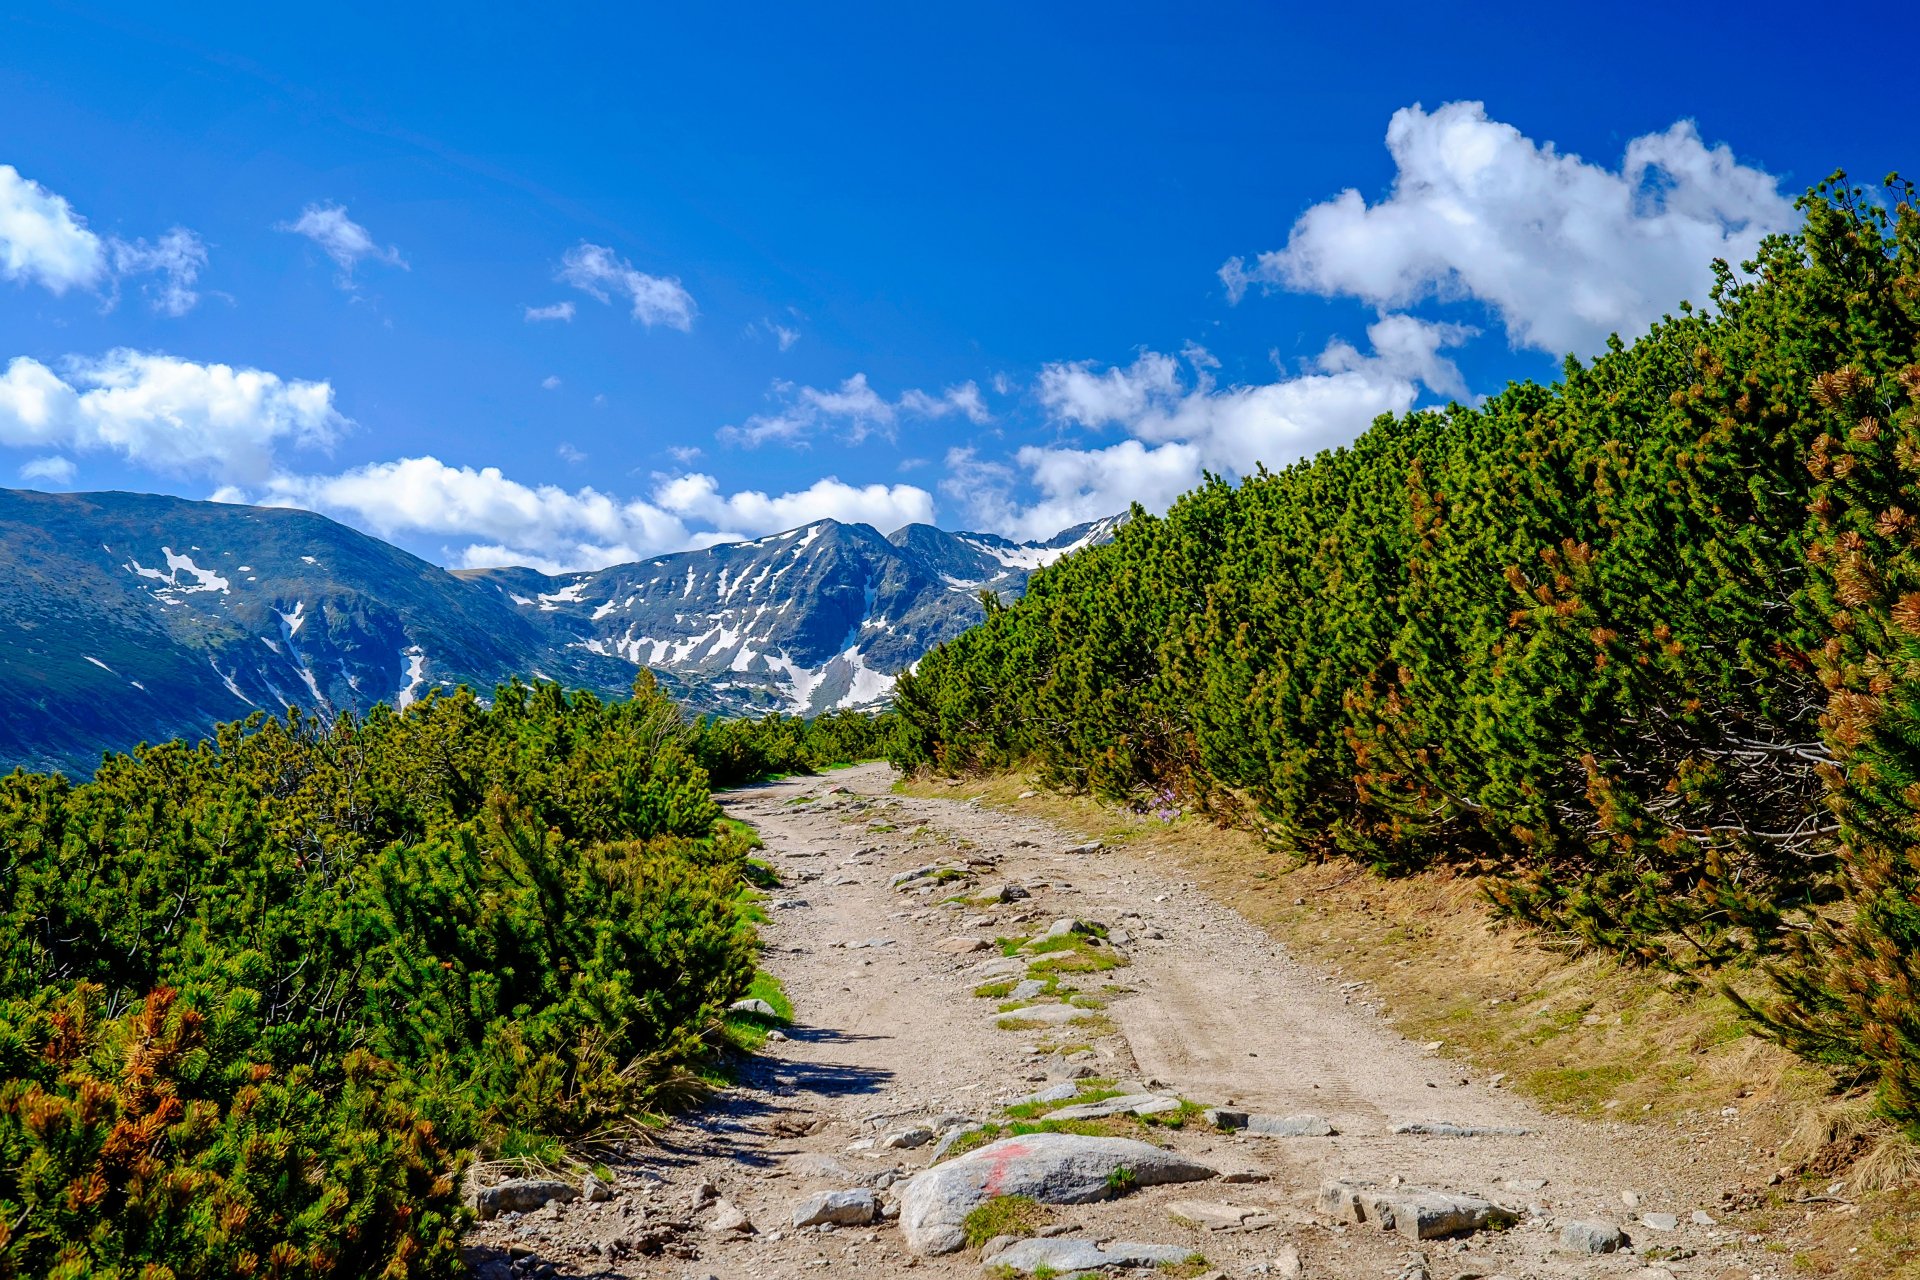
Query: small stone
[(1224, 1118), (1592, 1237), (907, 1139), (759, 1008), (1300, 1126), (1659, 1221), (854, 1208), (1136, 1104), (521, 1195), (1631, 1199), (961, 945), (1091, 846), (729, 1220), (1215, 1215), (1286, 1264), (1052, 1093), (1701, 1218), (594, 1191)]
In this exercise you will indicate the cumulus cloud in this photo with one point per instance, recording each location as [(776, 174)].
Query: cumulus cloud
[(558, 311), (1180, 423), (854, 408), (165, 413), (43, 240), (52, 469), (491, 519), (342, 239), (1565, 252), (599, 273)]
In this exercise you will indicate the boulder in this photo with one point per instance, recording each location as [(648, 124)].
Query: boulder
[(1053, 1168), (1300, 1126), (1129, 1104), (1592, 1237), (853, 1208), (521, 1195), (1416, 1213), (1064, 1257)]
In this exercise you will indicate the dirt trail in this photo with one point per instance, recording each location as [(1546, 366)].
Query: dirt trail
[(889, 1033)]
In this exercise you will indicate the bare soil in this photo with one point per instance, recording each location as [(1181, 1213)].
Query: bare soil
[(1206, 1006)]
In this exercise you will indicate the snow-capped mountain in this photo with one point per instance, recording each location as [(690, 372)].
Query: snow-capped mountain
[(130, 617)]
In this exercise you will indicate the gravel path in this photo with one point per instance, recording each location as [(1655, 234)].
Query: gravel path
[(889, 1036)]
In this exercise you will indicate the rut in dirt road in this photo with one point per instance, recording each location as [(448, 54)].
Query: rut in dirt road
[(961, 976)]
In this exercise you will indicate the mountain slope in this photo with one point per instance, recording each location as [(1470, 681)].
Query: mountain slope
[(130, 617)]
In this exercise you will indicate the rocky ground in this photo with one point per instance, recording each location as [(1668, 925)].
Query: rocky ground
[(1219, 1109)]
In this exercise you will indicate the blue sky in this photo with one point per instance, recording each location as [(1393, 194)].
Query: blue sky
[(997, 266)]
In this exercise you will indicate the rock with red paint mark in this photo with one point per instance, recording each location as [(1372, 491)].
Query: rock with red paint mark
[(1053, 1168)]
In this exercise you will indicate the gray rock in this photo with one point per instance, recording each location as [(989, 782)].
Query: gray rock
[(1300, 1126), (1592, 1237), (1415, 1213), (1052, 1093), (1062, 1257), (1225, 1118), (1091, 846), (1053, 1168), (521, 1195), (728, 1219), (1128, 1104), (1447, 1129), (1659, 1221), (907, 1139), (953, 1136), (759, 1008), (1027, 989), (1061, 928), (1008, 892), (853, 1208), (594, 1191), (1701, 1218)]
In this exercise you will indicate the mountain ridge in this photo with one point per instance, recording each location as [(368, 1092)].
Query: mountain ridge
[(127, 617)]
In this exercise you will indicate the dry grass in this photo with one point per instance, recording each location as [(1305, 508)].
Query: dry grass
[(1578, 1034)]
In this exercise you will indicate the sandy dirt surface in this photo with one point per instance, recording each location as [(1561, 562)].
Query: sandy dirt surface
[(888, 1034)]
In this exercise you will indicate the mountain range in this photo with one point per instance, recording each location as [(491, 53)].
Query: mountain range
[(137, 617)]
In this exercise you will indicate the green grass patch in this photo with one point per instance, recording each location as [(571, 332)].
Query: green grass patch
[(995, 990), (743, 832), (748, 1031), (1004, 1216)]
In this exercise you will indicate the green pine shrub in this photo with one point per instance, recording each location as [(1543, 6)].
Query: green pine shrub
[(262, 998), (1641, 648)]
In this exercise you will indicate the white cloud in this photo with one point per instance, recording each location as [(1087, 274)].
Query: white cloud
[(179, 256), (885, 507), (684, 453), (342, 239), (1181, 424), (558, 311), (162, 412), (43, 240), (855, 408), (496, 520), (596, 271), (569, 454), (784, 336), (550, 383), (53, 469), (1564, 251)]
